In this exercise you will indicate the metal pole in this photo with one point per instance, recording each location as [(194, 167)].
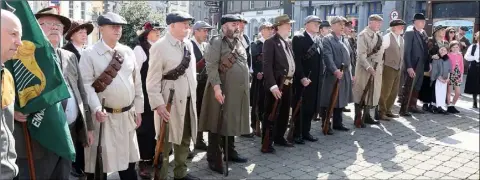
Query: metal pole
[(220, 13), (310, 8)]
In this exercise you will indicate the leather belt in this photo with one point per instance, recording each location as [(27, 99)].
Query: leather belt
[(119, 110)]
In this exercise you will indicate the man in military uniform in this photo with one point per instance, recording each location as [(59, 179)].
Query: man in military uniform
[(11, 38), (369, 63), (225, 106), (393, 53), (335, 53), (257, 91), (309, 76), (200, 33), (123, 99), (173, 67), (415, 56), (278, 64)]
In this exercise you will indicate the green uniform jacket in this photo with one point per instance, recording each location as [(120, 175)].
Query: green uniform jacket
[(235, 87)]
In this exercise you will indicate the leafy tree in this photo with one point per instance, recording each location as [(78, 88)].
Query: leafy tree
[(136, 13)]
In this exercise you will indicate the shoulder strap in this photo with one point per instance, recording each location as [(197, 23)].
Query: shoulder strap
[(474, 48)]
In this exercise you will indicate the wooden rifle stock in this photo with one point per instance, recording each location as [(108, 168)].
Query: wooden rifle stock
[(157, 160), (360, 118), (273, 115), (412, 86), (99, 160), (31, 165), (294, 118), (333, 102)]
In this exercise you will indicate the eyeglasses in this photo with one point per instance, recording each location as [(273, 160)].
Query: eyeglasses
[(58, 25)]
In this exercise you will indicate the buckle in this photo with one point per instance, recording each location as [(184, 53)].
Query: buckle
[(116, 110)]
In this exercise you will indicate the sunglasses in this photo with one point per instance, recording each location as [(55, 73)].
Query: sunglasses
[(452, 32)]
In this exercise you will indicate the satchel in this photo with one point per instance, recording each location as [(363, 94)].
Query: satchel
[(107, 76)]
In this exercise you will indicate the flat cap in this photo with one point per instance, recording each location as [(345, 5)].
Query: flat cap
[(324, 24), (178, 16), (111, 18), (201, 25), (265, 25), (375, 17), (229, 18), (464, 28), (438, 28), (242, 18), (337, 19), (312, 18), (397, 22), (282, 19)]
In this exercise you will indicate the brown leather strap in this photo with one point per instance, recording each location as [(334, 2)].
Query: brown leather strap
[(120, 110), (174, 74), (107, 76)]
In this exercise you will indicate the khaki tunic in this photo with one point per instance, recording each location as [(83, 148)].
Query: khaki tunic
[(235, 87), (119, 141), (165, 55), (367, 39)]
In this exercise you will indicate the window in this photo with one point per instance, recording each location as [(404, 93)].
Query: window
[(421, 7), (230, 5), (375, 8), (82, 10), (268, 4), (70, 9), (351, 10), (251, 4), (329, 11)]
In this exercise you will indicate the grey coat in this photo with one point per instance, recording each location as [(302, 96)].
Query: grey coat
[(334, 54), (440, 67), (8, 167)]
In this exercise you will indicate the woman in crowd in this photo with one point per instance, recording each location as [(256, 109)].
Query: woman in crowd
[(456, 61), (427, 92), (472, 84), (450, 35)]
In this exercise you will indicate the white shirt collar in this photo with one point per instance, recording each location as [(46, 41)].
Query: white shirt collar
[(79, 49), (311, 35), (262, 39), (108, 47)]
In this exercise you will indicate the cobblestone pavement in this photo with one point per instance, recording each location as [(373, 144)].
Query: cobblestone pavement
[(406, 148)]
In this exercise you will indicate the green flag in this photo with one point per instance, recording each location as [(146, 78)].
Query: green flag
[(39, 85)]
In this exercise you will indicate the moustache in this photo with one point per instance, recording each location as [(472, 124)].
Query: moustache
[(53, 33)]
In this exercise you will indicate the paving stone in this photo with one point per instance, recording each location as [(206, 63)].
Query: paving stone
[(415, 171), (441, 158), (474, 176), (383, 175), (460, 160), (421, 157), (355, 176), (433, 162), (452, 164), (471, 164), (404, 176), (433, 174), (412, 162), (459, 174), (468, 169), (366, 172), (282, 176), (443, 169)]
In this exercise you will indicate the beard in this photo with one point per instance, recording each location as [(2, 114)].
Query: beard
[(232, 33)]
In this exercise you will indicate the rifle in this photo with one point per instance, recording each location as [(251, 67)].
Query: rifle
[(294, 115), (225, 148), (333, 102), (273, 115), (359, 118), (31, 165), (157, 160), (99, 160), (255, 109)]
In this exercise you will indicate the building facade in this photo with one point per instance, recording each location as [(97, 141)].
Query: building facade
[(200, 12), (178, 6), (255, 12)]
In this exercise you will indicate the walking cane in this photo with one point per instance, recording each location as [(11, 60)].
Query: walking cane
[(28, 142)]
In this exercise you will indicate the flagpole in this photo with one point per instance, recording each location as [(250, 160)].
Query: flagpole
[(31, 166)]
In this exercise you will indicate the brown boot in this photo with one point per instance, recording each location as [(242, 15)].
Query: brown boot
[(413, 104)]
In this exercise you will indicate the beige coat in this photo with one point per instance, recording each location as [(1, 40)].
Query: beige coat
[(165, 55), (367, 39), (119, 141)]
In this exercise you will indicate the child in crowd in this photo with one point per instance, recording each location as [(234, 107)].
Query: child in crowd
[(456, 62), (439, 78)]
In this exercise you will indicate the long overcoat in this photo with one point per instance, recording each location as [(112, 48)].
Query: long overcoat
[(367, 40), (235, 87), (165, 55), (336, 52)]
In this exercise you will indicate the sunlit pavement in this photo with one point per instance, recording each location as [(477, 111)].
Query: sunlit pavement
[(425, 146)]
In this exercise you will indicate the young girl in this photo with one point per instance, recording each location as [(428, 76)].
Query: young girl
[(440, 77), (456, 61)]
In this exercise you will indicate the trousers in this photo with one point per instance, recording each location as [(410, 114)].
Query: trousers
[(390, 85), (440, 94)]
